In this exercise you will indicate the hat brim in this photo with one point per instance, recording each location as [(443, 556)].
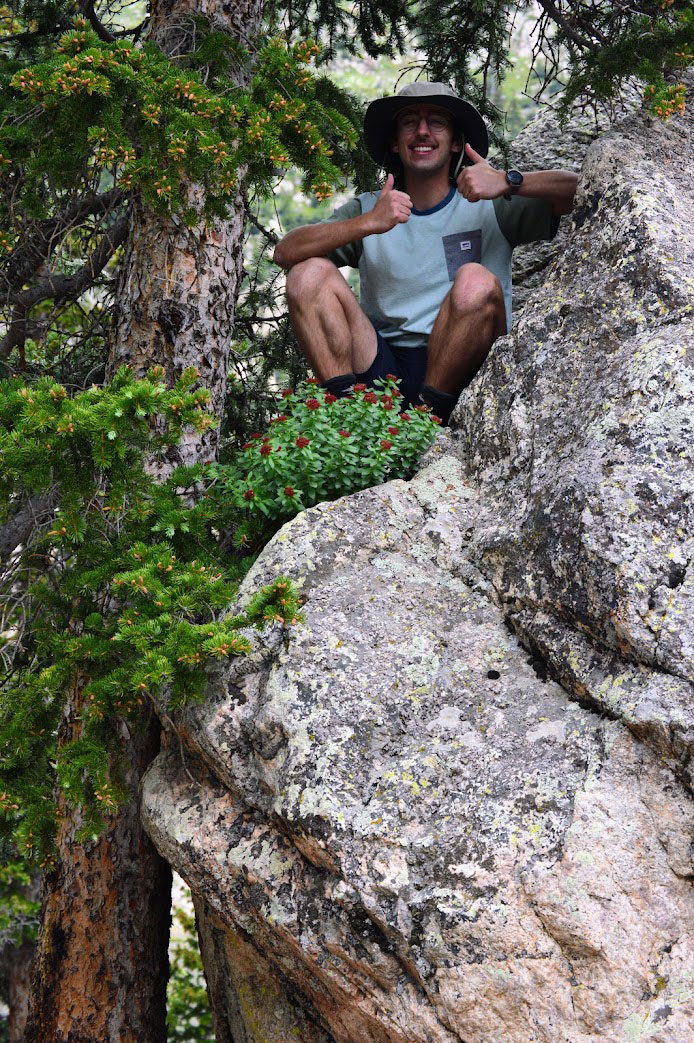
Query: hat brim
[(378, 122)]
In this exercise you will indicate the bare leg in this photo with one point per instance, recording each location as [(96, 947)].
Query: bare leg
[(333, 332), (470, 319)]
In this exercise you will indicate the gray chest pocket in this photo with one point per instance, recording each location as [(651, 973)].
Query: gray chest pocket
[(461, 248)]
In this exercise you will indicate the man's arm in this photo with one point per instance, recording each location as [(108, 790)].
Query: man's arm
[(318, 240), (482, 181)]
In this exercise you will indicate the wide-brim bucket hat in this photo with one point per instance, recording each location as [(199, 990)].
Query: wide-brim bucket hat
[(378, 121)]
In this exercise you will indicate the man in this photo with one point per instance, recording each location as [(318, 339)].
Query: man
[(433, 250)]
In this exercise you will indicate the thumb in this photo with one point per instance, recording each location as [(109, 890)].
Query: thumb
[(388, 187), (474, 156)]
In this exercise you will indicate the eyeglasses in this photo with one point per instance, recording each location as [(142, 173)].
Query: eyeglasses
[(411, 120)]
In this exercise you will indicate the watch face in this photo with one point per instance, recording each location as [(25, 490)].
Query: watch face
[(514, 177)]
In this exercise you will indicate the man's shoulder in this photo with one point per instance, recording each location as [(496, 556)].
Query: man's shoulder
[(353, 207)]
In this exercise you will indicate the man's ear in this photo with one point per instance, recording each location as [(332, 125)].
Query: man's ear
[(392, 145), (457, 145)]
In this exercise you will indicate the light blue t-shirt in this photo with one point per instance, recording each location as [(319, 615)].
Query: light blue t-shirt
[(406, 272)]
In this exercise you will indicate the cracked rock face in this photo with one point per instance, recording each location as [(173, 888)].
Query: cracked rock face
[(454, 805), (580, 431)]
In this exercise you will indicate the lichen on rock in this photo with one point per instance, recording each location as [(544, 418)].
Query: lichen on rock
[(454, 804)]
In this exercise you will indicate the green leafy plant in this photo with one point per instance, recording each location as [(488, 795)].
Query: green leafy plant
[(321, 448)]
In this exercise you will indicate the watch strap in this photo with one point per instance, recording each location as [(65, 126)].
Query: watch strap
[(514, 180)]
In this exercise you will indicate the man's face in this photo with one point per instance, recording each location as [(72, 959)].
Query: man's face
[(424, 139)]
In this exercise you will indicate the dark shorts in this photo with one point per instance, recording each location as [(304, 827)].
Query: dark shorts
[(408, 364)]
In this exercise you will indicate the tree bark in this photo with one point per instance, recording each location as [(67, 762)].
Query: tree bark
[(101, 966), (178, 287)]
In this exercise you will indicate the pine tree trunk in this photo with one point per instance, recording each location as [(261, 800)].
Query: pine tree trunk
[(101, 966), (178, 285)]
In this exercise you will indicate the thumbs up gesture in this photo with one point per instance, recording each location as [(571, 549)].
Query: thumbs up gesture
[(391, 208), (480, 181)]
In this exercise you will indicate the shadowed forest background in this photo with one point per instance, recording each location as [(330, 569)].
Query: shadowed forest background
[(150, 157)]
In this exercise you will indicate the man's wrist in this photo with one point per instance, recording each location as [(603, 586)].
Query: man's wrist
[(367, 224), (513, 183)]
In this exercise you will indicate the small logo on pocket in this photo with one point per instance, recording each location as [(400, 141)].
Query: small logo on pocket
[(466, 245)]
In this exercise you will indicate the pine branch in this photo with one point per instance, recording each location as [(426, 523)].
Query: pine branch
[(267, 232), (35, 249), (105, 34), (63, 287), (583, 42), (87, 9), (32, 513)]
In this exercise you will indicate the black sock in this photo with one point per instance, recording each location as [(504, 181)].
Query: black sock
[(440, 401), (340, 386)]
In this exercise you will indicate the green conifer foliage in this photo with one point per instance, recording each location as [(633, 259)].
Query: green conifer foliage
[(588, 49), (95, 108), (122, 597), (86, 123)]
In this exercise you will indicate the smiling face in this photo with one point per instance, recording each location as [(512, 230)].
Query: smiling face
[(425, 137)]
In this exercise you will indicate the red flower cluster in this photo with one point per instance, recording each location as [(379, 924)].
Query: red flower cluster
[(405, 416), (249, 494), (329, 398), (288, 491), (312, 380), (391, 376), (312, 403), (287, 392), (370, 397), (360, 387), (248, 445), (265, 449), (422, 409), (392, 430), (385, 444), (345, 434), (256, 434), (302, 442), (387, 402), (279, 419), (435, 418)]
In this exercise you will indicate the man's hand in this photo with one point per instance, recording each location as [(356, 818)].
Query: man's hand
[(480, 181), (391, 208)]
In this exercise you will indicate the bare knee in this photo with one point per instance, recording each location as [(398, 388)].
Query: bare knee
[(476, 289), (305, 279)]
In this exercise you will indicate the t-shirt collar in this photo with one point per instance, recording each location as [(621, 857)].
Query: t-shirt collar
[(439, 206)]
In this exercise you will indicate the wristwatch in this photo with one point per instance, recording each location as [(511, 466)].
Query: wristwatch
[(514, 180)]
